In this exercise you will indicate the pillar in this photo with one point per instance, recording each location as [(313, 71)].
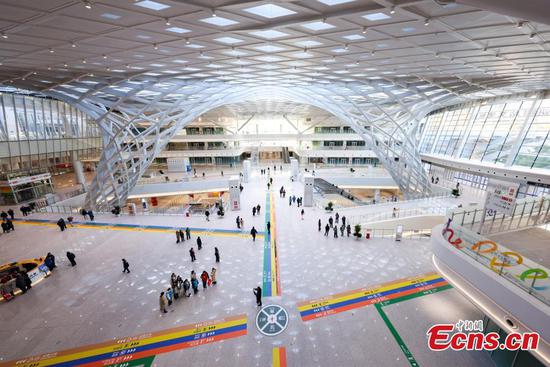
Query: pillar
[(246, 170), (294, 168), (308, 190), (79, 172), (234, 193)]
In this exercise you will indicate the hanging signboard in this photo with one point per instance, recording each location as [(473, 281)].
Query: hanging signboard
[(501, 197)]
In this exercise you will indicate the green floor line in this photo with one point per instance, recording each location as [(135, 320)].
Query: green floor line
[(142, 362), (415, 295), (397, 337)]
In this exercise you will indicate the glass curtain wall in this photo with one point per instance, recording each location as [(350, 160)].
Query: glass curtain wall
[(514, 131), (41, 133)]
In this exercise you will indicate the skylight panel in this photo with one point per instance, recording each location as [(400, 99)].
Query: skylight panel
[(219, 21), (269, 34), (318, 26), (339, 50), (302, 55), (270, 11), (178, 61), (270, 48), (153, 5), (178, 30), (376, 16), (194, 45), (269, 58), (408, 29), (354, 37), (111, 16), (228, 40), (235, 53), (143, 36), (308, 43), (335, 2)]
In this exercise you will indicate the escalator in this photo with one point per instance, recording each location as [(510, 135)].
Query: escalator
[(286, 155)]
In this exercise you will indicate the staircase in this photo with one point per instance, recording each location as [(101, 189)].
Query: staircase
[(286, 155), (324, 187)]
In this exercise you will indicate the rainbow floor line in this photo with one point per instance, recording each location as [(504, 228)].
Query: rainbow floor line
[(383, 293), (279, 357), (140, 227), (271, 281), (140, 346)]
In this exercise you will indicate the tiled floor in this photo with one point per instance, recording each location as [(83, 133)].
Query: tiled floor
[(94, 301)]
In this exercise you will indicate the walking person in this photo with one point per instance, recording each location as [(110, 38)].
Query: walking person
[(302, 214), (207, 214), (11, 213), (290, 201), (213, 276), (258, 293), (125, 266), (327, 229), (348, 229), (182, 236), (319, 224), (342, 229), (178, 236), (253, 211), (169, 296), (195, 285), (268, 224), (188, 233), (204, 278), (335, 229), (91, 215), (330, 221), (192, 254), (199, 243), (258, 207), (253, 232), (238, 222), (242, 223), (186, 288), (162, 303), (344, 220), (337, 217), (61, 224), (217, 254), (71, 258)]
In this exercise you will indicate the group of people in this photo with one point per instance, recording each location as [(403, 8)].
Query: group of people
[(255, 210), (267, 171), (17, 278), (334, 223), (293, 199), (181, 236), (87, 214), (282, 192)]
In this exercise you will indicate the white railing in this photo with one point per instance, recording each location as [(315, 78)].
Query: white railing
[(528, 212), (399, 213)]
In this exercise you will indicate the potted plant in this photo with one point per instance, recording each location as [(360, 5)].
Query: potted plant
[(357, 231), (330, 206)]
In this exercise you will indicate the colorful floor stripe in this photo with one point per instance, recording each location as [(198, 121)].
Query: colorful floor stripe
[(140, 227), (140, 346), (396, 336), (341, 302), (271, 280), (279, 357), (142, 362)]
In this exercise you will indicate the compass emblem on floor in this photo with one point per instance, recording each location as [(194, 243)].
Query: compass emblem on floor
[(272, 320)]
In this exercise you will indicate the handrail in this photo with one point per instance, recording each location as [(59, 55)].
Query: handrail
[(510, 265), (527, 212)]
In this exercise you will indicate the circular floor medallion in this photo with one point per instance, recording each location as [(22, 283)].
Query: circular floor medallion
[(272, 320)]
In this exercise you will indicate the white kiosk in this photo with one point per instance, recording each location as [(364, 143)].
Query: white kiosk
[(246, 170), (294, 168), (234, 193), (308, 190)]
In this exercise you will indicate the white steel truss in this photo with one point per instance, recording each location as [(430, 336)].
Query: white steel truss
[(138, 118)]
